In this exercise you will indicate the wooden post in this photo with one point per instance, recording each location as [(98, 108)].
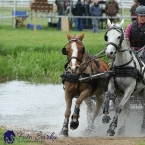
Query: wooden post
[(64, 24)]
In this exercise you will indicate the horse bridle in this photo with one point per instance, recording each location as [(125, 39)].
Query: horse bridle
[(121, 39), (64, 50), (119, 46)]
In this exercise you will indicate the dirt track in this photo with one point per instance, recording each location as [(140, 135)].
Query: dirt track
[(96, 141)]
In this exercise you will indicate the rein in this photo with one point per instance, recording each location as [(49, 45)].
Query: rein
[(125, 63)]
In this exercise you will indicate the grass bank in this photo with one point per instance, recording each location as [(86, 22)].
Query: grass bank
[(37, 57)]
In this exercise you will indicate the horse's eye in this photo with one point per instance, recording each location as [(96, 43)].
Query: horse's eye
[(119, 37)]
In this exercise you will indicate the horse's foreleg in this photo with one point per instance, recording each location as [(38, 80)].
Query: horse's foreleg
[(93, 109), (121, 130), (106, 118), (111, 90), (113, 124), (74, 122), (74, 119), (64, 130), (90, 107), (99, 102)]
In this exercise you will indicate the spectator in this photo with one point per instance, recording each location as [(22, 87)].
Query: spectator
[(135, 31), (87, 21), (78, 10), (95, 10), (66, 7), (60, 12), (133, 8), (111, 9), (141, 2)]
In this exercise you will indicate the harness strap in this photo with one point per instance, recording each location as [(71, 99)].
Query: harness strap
[(111, 43), (122, 64), (86, 66), (73, 57), (97, 64), (78, 88)]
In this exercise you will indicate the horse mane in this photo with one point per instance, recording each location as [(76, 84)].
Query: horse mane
[(89, 56), (127, 40)]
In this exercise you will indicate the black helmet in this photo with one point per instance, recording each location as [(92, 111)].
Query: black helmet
[(140, 10)]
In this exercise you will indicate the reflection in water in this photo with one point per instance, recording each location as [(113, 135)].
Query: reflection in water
[(41, 108)]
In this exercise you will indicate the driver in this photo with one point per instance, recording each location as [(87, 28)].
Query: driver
[(135, 31)]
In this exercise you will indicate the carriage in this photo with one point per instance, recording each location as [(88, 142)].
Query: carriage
[(86, 76)]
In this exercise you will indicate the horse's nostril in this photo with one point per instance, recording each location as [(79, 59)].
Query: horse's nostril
[(111, 53), (69, 67)]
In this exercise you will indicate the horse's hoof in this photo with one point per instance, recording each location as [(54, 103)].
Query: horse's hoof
[(74, 125), (106, 119), (110, 132), (64, 133)]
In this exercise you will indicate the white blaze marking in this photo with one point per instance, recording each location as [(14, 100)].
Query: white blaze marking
[(74, 54)]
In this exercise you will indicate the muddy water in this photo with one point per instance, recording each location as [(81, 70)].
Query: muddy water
[(41, 108)]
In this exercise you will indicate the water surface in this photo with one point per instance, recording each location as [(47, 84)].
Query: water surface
[(41, 108)]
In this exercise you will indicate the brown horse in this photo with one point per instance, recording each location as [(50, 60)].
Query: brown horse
[(81, 64)]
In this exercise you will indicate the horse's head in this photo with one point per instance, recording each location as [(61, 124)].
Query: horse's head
[(114, 36), (74, 51)]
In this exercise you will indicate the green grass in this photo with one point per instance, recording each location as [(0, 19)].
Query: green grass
[(141, 142), (37, 58)]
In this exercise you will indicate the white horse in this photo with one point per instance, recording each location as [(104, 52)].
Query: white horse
[(128, 72)]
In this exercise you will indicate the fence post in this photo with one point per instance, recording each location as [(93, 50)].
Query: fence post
[(14, 18), (64, 24)]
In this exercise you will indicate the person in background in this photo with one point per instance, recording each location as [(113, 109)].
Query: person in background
[(135, 32), (78, 10), (133, 8), (87, 13), (141, 2), (111, 9), (60, 12), (95, 10), (66, 7)]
